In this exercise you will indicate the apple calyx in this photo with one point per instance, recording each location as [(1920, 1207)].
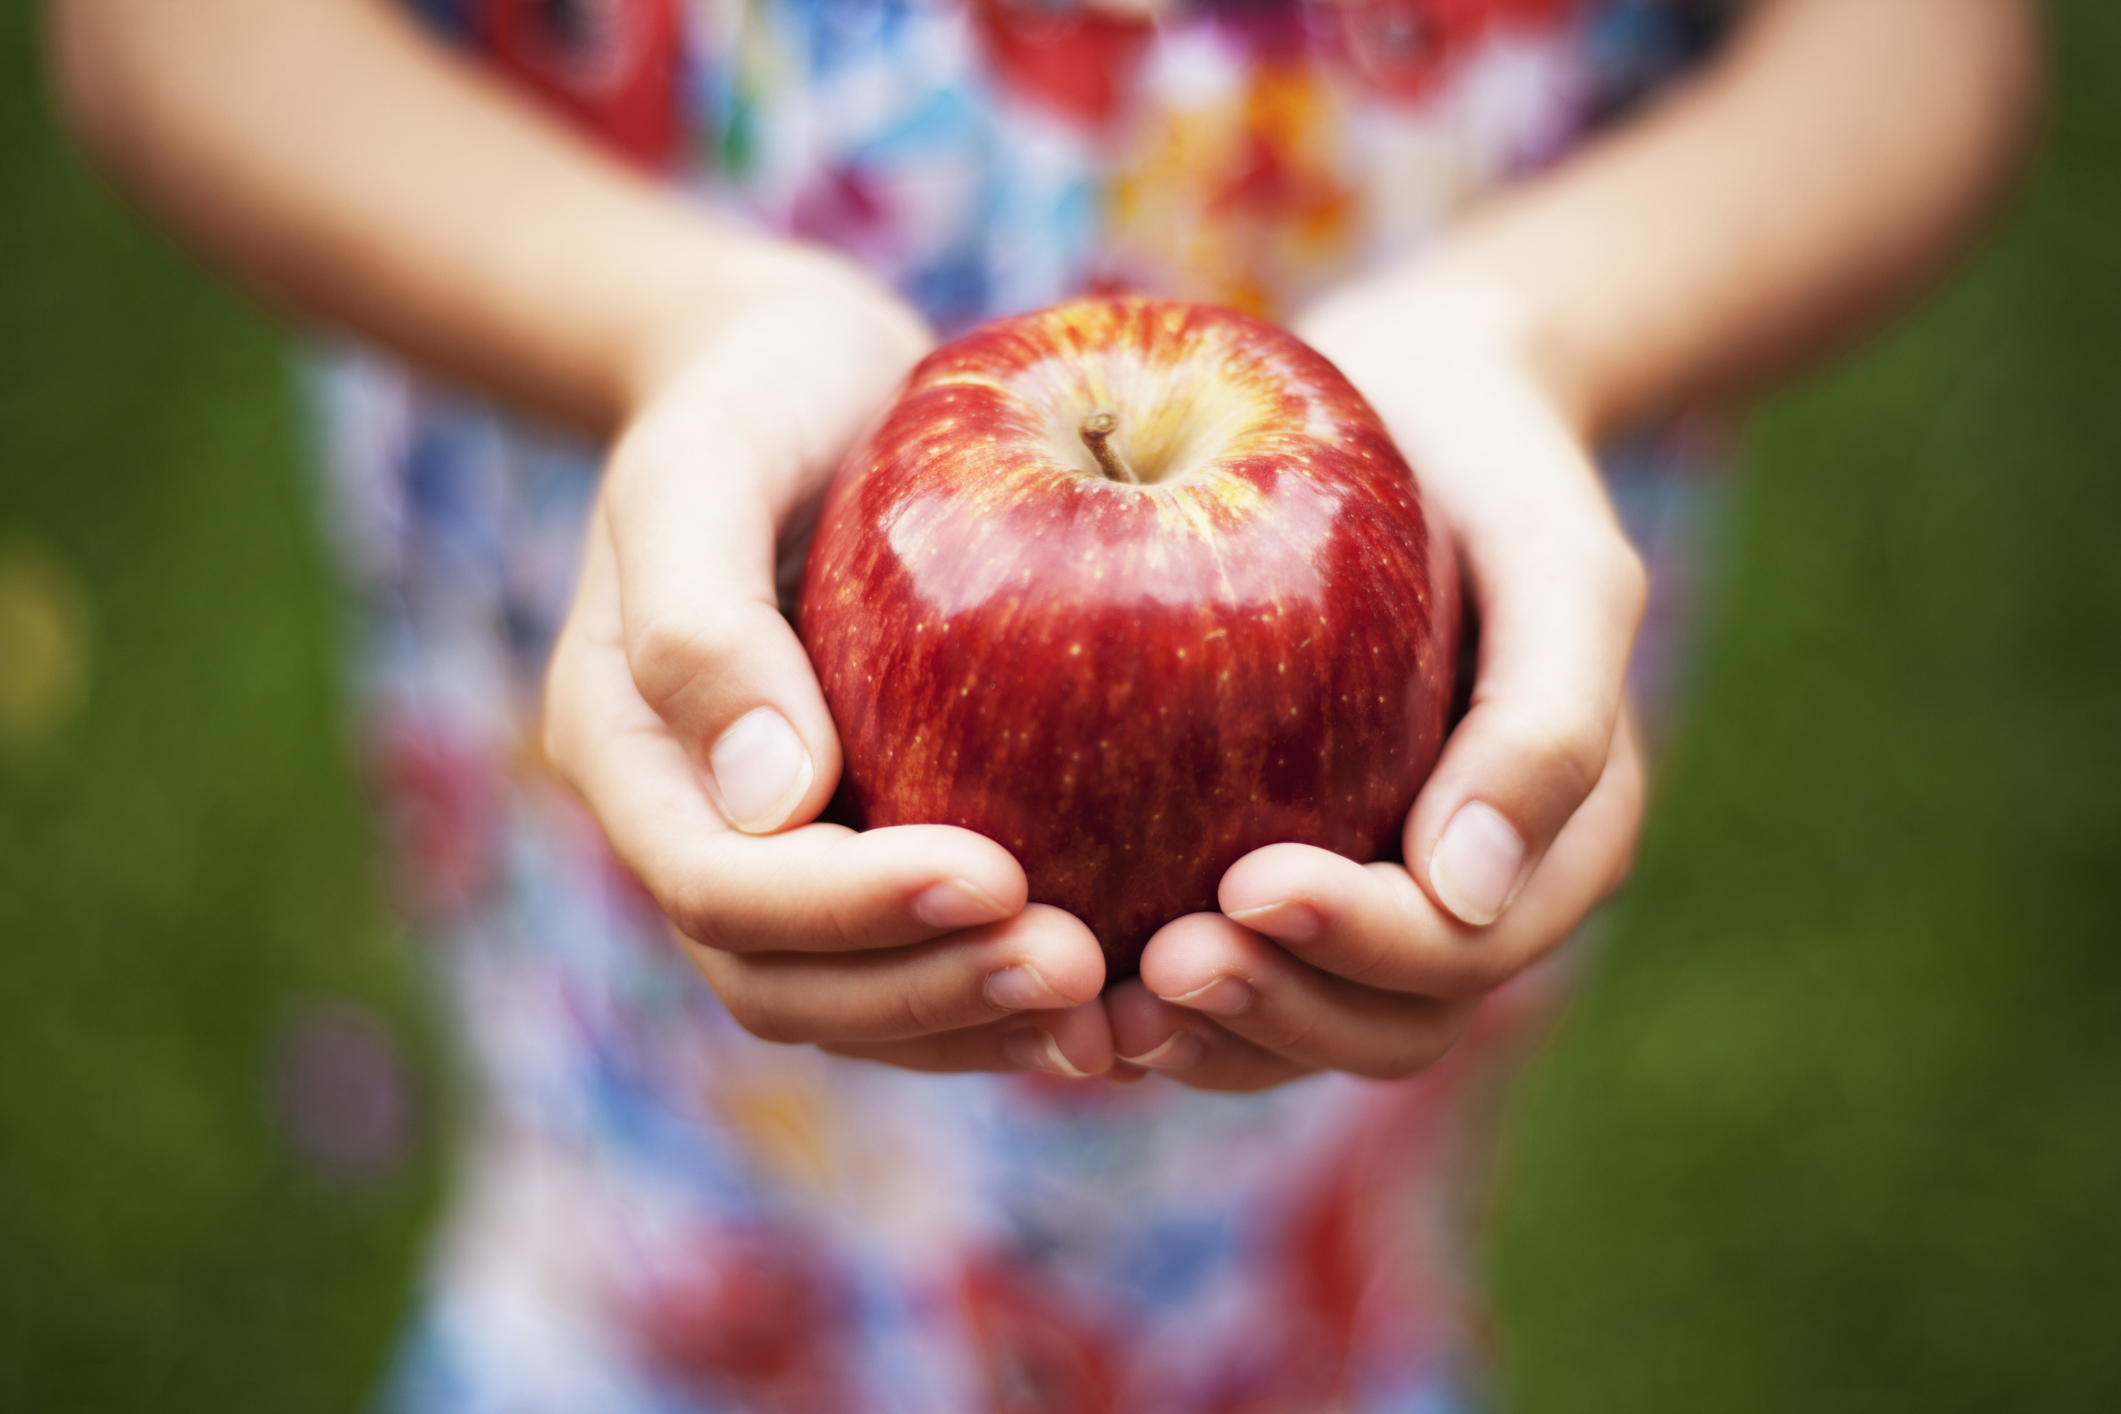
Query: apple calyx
[(1096, 431)]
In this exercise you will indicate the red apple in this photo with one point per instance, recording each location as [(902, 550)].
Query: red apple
[(1133, 588)]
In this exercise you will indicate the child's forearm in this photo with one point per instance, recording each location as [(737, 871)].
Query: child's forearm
[(345, 167), (1827, 166), (349, 170)]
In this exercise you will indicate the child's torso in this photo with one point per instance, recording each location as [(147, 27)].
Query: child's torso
[(995, 155), (666, 1214)]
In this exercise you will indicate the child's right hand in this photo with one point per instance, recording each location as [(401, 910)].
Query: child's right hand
[(682, 708)]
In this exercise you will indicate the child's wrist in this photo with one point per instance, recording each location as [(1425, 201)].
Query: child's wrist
[(1420, 330), (740, 278)]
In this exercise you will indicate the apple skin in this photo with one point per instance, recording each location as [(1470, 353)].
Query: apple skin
[(1130, 687)]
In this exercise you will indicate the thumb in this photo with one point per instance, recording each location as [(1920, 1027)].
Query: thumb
[(1559, 593), (693, 508)]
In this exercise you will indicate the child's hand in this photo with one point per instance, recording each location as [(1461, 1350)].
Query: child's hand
[(1318, 963), (681, 706)]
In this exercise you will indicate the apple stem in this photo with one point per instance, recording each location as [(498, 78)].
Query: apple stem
[(1096, 430)]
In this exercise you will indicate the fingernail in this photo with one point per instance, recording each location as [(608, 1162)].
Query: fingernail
[(1033, 1049), (1476, 864), (954, 903), (1020, 988), (1291, 920), (1176, 1053), (1225, 996), (761, 770)]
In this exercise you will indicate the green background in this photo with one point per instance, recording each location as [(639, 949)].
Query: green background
[(1836, 1125)]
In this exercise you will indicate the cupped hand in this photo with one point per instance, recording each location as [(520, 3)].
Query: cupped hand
[(1530, 818), (681, 707)]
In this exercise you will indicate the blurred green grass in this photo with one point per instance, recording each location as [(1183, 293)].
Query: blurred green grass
[(1837, 1124), (184, 864)]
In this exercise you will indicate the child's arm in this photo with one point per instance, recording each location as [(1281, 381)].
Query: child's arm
[(344, 166), (341, 164), (1831, 162)]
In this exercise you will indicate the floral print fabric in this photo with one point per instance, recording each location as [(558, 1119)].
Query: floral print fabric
[(658, 1212)]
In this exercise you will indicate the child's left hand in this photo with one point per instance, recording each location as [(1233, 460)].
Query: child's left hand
[(1319, 963)]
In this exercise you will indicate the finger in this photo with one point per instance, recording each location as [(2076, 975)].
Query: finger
[(1373, 925), (817, 888), (1255, 990), (1559, 594), (1041, 960), (1155, 1036), (692, 534), (823, 888), (696, 495), (1073, 1045)]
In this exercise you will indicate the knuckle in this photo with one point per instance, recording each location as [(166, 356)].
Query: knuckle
[(1570, 750), (691, 909), (673, 657), (1296, 1037), (842, 930), (1376, 956), (741, 1012), (748, 1007), (920, 1013)]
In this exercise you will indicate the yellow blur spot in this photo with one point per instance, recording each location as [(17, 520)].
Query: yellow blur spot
[(44, 632)]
